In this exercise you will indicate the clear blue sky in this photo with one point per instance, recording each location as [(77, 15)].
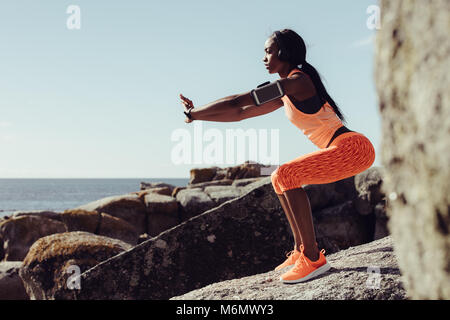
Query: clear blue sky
[(102, 101)]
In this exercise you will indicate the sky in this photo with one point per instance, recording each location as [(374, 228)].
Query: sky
[(94, 93)]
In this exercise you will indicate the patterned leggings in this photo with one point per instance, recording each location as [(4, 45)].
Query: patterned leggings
[(349, 154)]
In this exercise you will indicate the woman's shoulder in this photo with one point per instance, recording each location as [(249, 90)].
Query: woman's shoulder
[(307, 84)]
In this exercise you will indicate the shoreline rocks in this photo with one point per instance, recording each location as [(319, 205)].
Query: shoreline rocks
[(220, 222), (244, 236)]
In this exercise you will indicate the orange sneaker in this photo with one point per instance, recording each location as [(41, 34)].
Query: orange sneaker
[(292, 256), (305, 269)]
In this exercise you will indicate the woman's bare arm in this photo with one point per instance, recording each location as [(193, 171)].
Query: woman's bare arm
[(242, 106), (223, 110)]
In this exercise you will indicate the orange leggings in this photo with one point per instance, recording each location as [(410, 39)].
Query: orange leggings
[(349, 154)]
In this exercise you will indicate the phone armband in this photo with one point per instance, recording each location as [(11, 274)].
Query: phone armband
[(267, 92)]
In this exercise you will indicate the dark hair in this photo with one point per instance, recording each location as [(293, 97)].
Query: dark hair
[(296, 55)]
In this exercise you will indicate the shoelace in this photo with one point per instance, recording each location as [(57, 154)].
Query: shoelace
[(290, 253), (300, 262)]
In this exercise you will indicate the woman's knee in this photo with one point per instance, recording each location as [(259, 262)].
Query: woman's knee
[(284, 172)]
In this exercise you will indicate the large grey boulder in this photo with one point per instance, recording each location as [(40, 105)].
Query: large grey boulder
[(365, 272), (128, 207), (18, 233), (52, 262), (193, 201), (412, 79), (157, 185)]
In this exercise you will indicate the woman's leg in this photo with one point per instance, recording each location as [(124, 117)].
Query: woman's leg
[(300, 207), (348, 155), (292, 221)]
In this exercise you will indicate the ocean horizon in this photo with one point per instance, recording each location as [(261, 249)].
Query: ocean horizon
[(59, 194)]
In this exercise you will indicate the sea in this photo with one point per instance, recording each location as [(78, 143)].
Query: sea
[(61, 194)]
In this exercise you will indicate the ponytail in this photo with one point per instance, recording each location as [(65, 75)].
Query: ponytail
[(320, 88)]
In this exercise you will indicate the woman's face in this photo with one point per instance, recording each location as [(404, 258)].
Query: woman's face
[(271, 60)]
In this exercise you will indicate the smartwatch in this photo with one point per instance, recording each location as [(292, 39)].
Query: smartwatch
[(188, 114)]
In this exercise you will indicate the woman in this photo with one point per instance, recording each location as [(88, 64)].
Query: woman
[(343, 153)]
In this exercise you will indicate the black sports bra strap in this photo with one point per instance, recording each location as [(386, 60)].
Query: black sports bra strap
[(308, 106)]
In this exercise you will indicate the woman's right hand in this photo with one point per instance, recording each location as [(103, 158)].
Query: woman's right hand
[(187, 106)]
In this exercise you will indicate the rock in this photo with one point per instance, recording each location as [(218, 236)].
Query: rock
[(381, 222), (223, 182), (353, 276), (162, 190), (340, 227), (241, 237), (246, 170), (129, 208), (154, 185), (162, 213), (236, 239), (368, 186), (81, 220), (244, 182), (99, 223), (202, 174), (39, 213), (220, 194), (116, 228), (18, 233), (412, 82), (176, 190), (51, 261), (11, 286), (193, 202)]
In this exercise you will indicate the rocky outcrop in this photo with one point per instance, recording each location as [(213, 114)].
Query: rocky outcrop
[(129, 208), (18, 233), (116, 228), (156, 186), (52, 261), (365, 272), (246, 170), (245, 236), (22, 229), (99, 223), (11, 286), (160, 206), (412, 63)]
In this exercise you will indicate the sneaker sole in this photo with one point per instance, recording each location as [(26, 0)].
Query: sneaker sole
[(313, 274)]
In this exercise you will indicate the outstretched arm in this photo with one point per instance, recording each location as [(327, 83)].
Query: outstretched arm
[(242, 106), (226, 109)]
